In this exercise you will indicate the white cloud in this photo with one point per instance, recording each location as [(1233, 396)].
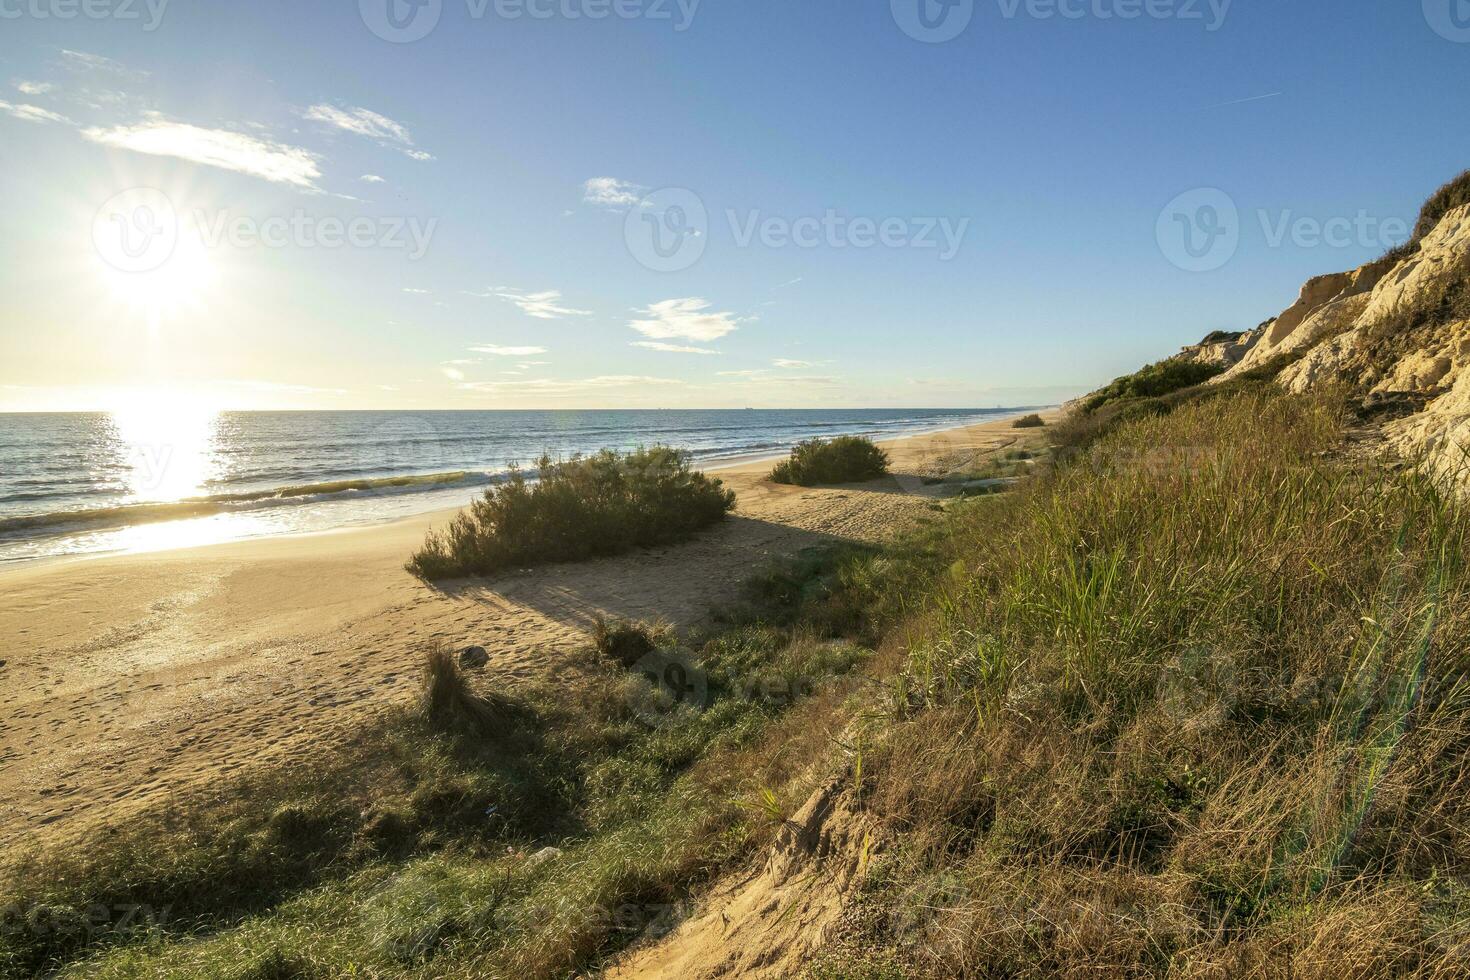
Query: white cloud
[(659, 345), (95, 62), (793, 282), (33, 113), (453, 374), (365, 122), (687, 318), (33, 88), (416, 292), (215, 148), (789, 365), (552, 386), (371, 179), (609, 192), (497, 351), (544, 305)]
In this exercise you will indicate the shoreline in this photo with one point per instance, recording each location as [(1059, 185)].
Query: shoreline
[(143, 678), (436, 515)]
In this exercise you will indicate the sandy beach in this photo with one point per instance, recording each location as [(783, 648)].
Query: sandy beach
[(131, 680)]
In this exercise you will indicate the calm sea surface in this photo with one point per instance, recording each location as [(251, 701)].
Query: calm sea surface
[(86, 483)]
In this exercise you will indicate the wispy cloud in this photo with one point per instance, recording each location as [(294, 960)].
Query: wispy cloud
[(33, 113), (787, 365), (371, 179), (33, 88), (609, 192), (416, 291), (659, 345), (83, 61), (687, 318), (365, 122), (545, 305), (452, 373), (221, 148), (553, 386), (792, 282), (496, 350), (1253, 98)]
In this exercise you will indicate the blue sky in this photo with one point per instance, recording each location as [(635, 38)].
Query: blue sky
[(1020, 169)]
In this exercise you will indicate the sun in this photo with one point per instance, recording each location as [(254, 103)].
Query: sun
[(153, 261)]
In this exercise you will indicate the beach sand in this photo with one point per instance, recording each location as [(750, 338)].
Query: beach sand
[(133, 680)]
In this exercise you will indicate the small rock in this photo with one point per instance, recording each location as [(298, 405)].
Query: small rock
[(542, 856), (473, 658)]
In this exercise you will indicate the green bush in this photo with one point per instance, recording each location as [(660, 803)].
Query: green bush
[(846, 459), (578, 509), (1032, 421), (1162, 378)]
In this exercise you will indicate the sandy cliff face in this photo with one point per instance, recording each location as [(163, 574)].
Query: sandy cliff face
[(1397, 329)]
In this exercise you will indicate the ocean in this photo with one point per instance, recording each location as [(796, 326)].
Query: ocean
[(89, 483)]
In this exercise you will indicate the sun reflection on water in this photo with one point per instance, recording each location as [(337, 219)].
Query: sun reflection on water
[(169, 448)]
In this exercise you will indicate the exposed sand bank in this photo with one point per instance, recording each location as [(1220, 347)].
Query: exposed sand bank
[(135, 678)]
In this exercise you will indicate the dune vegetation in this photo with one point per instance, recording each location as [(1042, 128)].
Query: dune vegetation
[(1190, 701), (846, 459), (585, 507)]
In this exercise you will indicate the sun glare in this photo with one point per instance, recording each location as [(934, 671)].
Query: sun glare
[(168, 441), (153, 262)]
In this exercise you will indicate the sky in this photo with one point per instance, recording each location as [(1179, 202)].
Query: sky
[(687, 203)]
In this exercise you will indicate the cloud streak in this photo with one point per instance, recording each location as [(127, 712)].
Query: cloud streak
[(365, 122), (659, 345), (496, 350), (33, 113), (545, 305), (222, 148)]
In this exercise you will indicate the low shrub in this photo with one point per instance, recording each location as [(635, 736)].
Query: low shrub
[(1032, 421), (625, 642), (1153, 381), (846, 459), (577, 509)]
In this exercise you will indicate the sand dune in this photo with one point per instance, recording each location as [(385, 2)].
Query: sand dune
[(130, 680)]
